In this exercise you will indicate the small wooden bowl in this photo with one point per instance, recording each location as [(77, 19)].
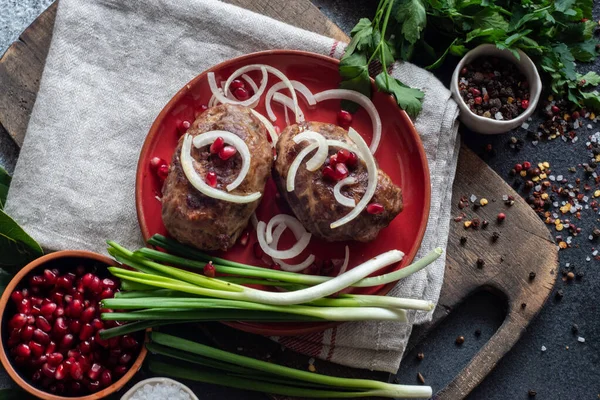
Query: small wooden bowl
[(86, 257)]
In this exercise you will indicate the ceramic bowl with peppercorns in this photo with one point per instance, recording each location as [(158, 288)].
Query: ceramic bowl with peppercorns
[(50, 332), (495, 91)]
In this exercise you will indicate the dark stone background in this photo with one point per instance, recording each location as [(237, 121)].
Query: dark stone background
[(557, 373)]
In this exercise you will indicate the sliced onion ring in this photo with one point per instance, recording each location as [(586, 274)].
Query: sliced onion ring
[(289, 103), (198, 182), (273, 71), (208, 138), (212, 83), (289, 221), (268, 125), (322, 152), (372, 172), (295, 250), (285, 266), (361, 100), (346, 260), (298, 86), (339, 197)]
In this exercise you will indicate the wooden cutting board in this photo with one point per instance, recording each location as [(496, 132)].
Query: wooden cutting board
[(524, 245)]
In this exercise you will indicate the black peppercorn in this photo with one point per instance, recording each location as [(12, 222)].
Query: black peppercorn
[(559, 294), (478, 332), (480, 263), (460, 340), (485, 224), (420, 356), (532, 393), (574, 328), (523, 305), (495, 236), (531, 275), (463, 240)]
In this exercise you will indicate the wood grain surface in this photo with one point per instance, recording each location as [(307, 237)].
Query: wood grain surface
[(524, 244)]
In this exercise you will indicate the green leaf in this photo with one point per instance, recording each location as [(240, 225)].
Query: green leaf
[(566, 59), (458, 50), (353, 65), (413, 17), (591, 79), (514, 38), (503, 46), (585, 51), (563, 5), (361, 36), (591, 100), (489, 18), (362, 24), (408, 99), (440, 60), (572, 96), (586, 7), (16, 246), (489, 35), (355, 72)]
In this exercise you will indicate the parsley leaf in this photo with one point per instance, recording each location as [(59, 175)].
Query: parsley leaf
[(408, 99), (591, 79), (413, 17)]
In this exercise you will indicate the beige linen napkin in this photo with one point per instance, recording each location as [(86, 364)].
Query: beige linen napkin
[(112, 66)]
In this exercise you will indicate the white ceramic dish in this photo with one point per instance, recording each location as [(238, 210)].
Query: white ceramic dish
[(489, 125), (154, 381)]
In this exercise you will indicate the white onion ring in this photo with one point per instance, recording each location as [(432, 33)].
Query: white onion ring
[(285, 266), (289, 103), (298, 86), (361, 100), (339, 197), (273, 71), (289, 221), (224, 99), (295, 250), (345, 264), (372, 182), (208, 138), (268, 125), (198, 182), (293, 170), (322, 152)]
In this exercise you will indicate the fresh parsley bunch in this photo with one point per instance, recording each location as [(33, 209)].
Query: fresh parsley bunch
[(555, 34)]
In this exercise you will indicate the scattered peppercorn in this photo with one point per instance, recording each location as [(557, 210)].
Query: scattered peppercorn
[(596, 232), (460, 340), (420, 356), (523, 305), (463, 240), (495, 236), (480, 263), (420, 378), (478, 332), (501, 217), (485, 224), (570, 276), (579, 275), (559, 294), (531, 393), (531, 275), (574, 328)]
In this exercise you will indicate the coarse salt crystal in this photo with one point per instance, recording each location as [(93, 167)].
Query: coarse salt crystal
[(473, 198), (538, 188), (585, 199), (504, 197), (575, 139), (595, 175), (555, 204), (552, 178), (534, 142), (567, 265), (311, 361), (543, 348), (595, 253), (591, 237), (160, 391), (589, 126), (580, 339), (587, 207), (555, 215), (499, 116), (576, 124), (524, 125), (559, 178), (588, 259), (564, 138)]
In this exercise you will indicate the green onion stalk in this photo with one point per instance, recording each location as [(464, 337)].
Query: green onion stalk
[(233, 370)]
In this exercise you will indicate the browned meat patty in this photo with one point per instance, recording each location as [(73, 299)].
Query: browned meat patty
[(313, 201), (204, 222)]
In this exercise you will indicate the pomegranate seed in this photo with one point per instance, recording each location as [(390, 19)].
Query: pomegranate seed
[(329, 172), (35, 310), (88, 314), (375, 208), (96, 285), (27, 333), (478, 100), (501, 217), (61, 372), (155, 163), (18, 321), (109, 284), (344, 119), (22, 350), (37, 376), (50, 277), (333, 159), (75, 326), (99, 341), (39, 361), (341, 171), (85, 362), (98, 354), (59, 312), (518, 167), (75, 354), (236, 84), (94, 372), (63, 282), (244, 238), (183, 126), (69, 361), (54, 359), (217, 145), (113, 342), (86, 303), (79, 288), (352, 160), (36, 348), (16, 296), (24, 306), (86, 332), (97, 324), (50, 348), (555, 109), (43, 324), (30, 320), (342, 155), (209, 270), (74, 388), (89, 277), (80, 270), (227, 152), (67, 341), (125, 359), (120, 370), (93, 386), (211, 179), (48, 370), (105, 378), (37, 280), (476, 92), (258, 251), (60, 327), (526, 165), (241, 94), (48, 309), (163, 172), (46, 382), (85, 347), (76, 371), (575, 115), (276, 267), (129, 342), (68, 298), (106, 294), (524, 104)]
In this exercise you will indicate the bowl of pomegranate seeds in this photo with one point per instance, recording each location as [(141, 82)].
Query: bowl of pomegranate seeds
[(51, 346), (494, 91)]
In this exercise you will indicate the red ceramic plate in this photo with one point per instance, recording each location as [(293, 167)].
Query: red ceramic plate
[(400, 155)]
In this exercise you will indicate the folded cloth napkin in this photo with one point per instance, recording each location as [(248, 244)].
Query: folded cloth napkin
[(112, 66)]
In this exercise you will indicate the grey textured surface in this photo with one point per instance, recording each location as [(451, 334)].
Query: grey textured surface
[(557, 373)]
